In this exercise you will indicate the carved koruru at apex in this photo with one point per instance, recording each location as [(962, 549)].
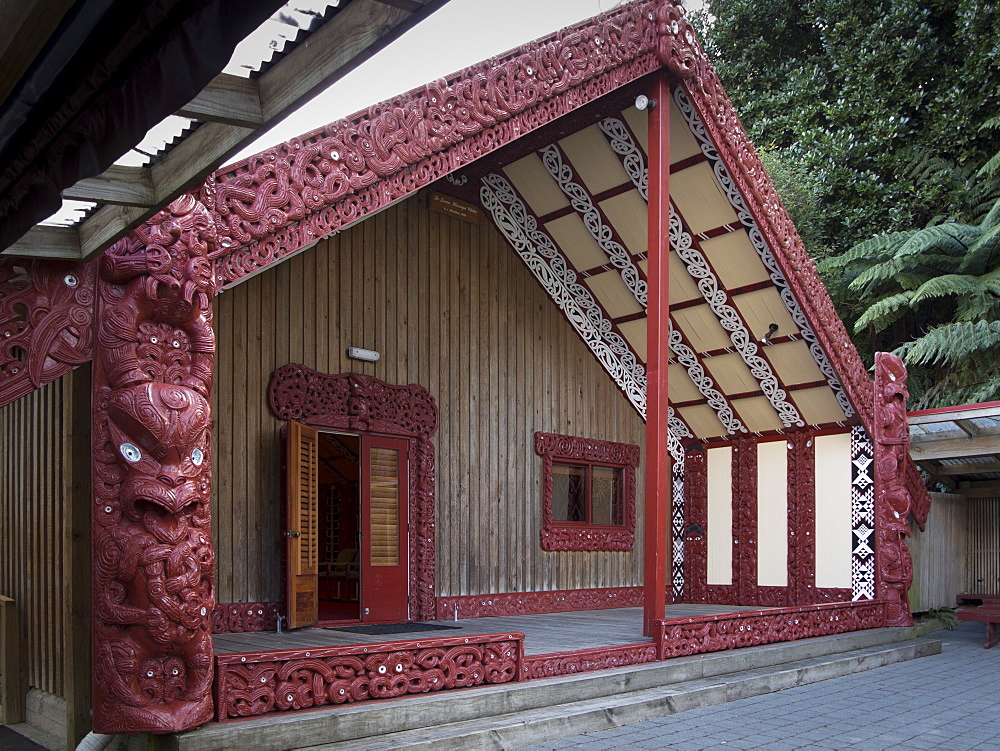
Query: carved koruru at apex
[(152, 550)]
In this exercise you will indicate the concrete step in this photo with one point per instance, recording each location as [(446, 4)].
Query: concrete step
[(548, 723), (494, 716)]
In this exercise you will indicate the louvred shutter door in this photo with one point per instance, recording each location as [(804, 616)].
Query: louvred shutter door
[(302, 524)]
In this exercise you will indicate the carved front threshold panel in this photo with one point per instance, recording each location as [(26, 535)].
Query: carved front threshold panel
[(258, 683)]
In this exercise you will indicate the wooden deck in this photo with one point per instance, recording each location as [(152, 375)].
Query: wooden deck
[(544, 634)]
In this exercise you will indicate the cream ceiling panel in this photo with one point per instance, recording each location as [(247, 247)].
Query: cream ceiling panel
[(683, 145), (793, 363), (762, 308), (536, 185), (701, 328), (699, 198), (735, 261), (639, 123), (731, 374), (593, 160), (702, 421), (576, 242), (635, 333), (758, 414), (682, 286), (628, 215), (680, 386), (612, 293), (818, 406)]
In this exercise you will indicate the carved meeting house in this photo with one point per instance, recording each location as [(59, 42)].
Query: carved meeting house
[(608, 376)]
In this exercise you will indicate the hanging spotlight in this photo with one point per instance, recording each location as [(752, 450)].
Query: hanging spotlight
[(643, 102)]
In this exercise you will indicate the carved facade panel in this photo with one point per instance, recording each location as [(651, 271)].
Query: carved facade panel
[(355, 402), (527, 603), (153, 561), (260, 683), (587, 660), (46, 322), (698, 635), (893, 502), (563, 536)]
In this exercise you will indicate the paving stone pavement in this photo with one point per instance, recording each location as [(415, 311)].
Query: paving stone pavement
[(948, 701)]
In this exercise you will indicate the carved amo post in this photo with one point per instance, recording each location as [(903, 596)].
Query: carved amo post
[(893, 566), (152, 550)]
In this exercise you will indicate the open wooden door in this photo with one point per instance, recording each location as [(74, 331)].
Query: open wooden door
[(384, 509), (302, 524)]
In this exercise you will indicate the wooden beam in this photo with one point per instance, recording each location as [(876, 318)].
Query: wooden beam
[(968, 427), (336, 48), (227, 99), (48, 242), (955, 448), (953, 415), (25, 27), (991, 492), (951, 470), (658, 473), (123, 186)]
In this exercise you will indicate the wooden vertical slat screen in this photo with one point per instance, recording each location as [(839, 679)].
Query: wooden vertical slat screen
[(37, 440), (450, 306), (384, 506), (939, 554), (984, 545)]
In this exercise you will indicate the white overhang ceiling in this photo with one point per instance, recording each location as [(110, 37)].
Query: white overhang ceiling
[(575, 211)]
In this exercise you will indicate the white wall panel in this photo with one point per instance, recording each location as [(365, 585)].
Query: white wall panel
[(720, 515), (772, 514), (833, 510)]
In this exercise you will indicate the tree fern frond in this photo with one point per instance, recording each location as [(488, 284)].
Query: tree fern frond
[(885, 312), (946, 286), (951, 343)]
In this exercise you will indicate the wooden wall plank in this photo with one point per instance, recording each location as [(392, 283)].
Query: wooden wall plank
[(450, 306)]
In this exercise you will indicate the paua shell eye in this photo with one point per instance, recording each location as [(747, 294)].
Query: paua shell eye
[(130, 452), (197, 456)]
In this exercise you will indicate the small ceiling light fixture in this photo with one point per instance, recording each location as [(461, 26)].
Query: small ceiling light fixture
[(359, 353), (643, 102), (771, 331)]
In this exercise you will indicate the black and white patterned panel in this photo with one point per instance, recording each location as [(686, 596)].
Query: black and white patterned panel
[(677, 530), (862, 515)]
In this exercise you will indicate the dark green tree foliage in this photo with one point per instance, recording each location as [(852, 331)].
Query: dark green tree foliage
[(855, 93), (874, 119)]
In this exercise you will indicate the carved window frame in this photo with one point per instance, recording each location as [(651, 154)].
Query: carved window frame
[(555, 448)]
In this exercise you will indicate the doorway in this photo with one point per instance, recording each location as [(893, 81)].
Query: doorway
[(347, 511)]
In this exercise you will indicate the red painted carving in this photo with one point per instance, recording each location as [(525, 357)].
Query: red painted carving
[(46, 322), (679, 637), (588, 660), (257, 683), (551, 446), (355, 402), (802, 518), (526, 603), (744, 471), (152, 550), (696, 525), (245, 617), (893, 503), (287, 197)]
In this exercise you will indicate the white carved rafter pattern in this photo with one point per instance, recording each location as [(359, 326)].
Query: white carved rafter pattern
[(540, 253), (583, 204), (633, 159), (762, 248), (718, 300)]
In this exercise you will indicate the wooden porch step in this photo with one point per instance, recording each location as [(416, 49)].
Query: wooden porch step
[(532, 711)]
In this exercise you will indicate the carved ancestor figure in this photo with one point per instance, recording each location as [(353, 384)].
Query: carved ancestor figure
[(153, 558), (894, 567)]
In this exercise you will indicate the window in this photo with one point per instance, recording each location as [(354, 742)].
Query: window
[(588, 493)]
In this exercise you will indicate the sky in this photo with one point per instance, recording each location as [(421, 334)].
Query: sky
[(458, 35)]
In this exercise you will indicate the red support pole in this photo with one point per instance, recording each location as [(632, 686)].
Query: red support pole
[(657, 340)]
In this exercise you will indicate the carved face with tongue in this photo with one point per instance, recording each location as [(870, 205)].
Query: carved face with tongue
[(160, 431)]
